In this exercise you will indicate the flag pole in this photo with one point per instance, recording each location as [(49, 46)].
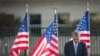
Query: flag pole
[(27, 6), (55, 11), (89, 51), (88, 14), (56, 17)]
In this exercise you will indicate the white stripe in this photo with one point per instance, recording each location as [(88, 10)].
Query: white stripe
[(43, 41), (48, 45), (88, 44), (52, 54), (14, 53), (20, 45), (55, 37), (55, 50), (84, 38), (43, 47), (56, 44), (87, 32), (45, 54), (23, 33), (21, 39)]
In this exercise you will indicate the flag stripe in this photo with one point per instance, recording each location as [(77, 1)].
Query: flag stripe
[(21, 39), (39, 44), (20, 45), (21, 42), (23, 33), (84, 32), (85, 35), (84, 38), (41, 50), (22, 36), (86, 41), (46, 50), (15, 53), (54, 38), (55, 52), (88, 46), (45, 53), (53, 43), (54, 49)]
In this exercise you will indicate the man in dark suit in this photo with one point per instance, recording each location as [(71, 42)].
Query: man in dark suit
[(75, 47)]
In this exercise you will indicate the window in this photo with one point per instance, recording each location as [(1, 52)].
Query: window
[(63, 18), (35, 24), (35, 19), (8, 24), (63, 21)]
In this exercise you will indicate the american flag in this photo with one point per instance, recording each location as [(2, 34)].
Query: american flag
[(84, 29), (48, 44), (21, 41)]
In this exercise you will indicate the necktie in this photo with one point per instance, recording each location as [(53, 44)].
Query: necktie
[(75, 47)]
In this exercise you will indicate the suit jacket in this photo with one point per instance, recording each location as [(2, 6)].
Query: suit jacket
[(69, 49)]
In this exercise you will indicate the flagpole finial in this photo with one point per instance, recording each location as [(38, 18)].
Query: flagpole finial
[(88, 6), (55, 10), (26, 7)]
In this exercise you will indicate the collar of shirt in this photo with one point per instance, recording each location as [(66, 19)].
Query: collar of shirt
[(75, 43)]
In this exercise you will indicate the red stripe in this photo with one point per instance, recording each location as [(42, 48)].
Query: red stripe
[(53, 52), (49, 54), (20, 48), (36, 47), (84, 35), (88, 46), (56, 47), (55, 40), (86, 41), (21, 42), (22, 36), (10, 54), (41, 50), (45, 50), (16, 51), (23, 48)]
